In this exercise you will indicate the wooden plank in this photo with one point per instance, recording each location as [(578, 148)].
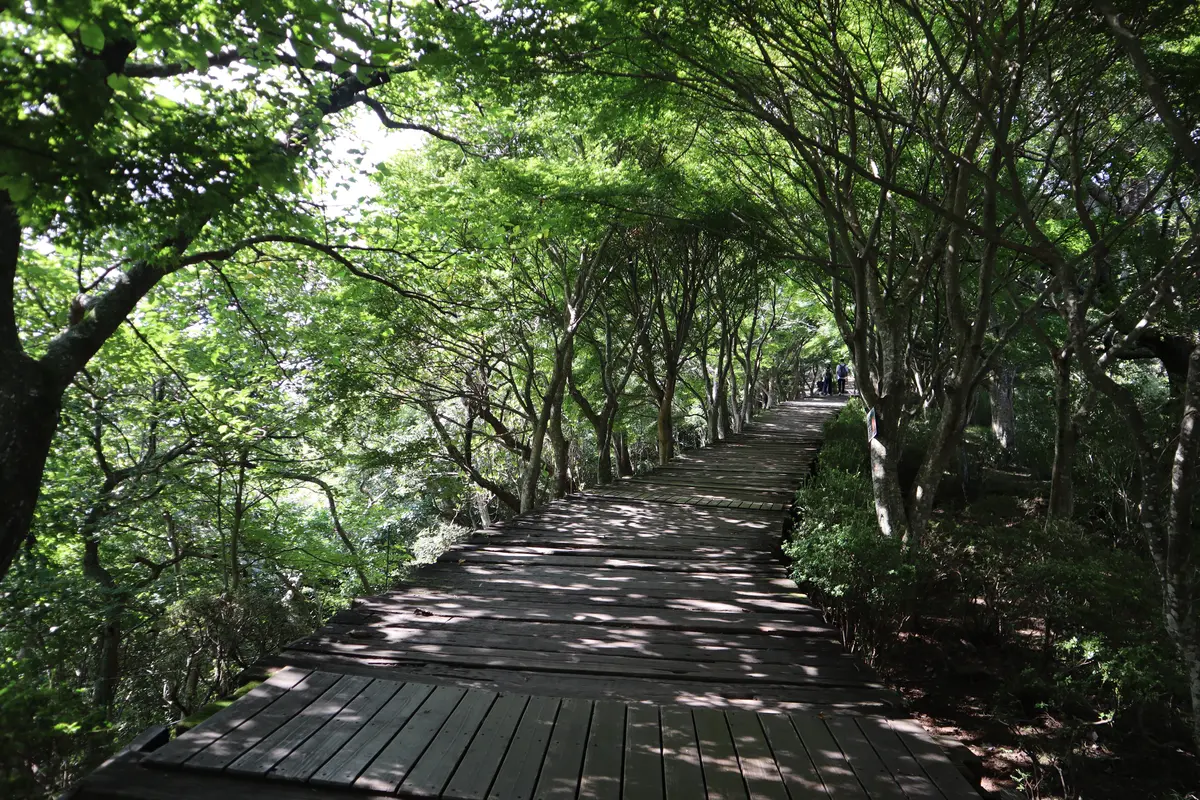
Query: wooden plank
[(899, 762), (433, 770), (690, 619), (479, 766), (388, 770), (584, 600), (523, 762), (225, 750), (184, 747), (933, 760), (648, 642), (683, 778), (279, 745), (643, 754), (818, 671), (655, 564), (601, 778), (763, 781), (310, 756), (794, 764), (344, 767), (827, 757), (564, 757), (122, 778), (865, 762), (718, 758)]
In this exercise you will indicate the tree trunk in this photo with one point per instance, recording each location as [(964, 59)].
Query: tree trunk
[(605, 432), (885, 478), (239, 517), (1004, 418), (712, 422), (1062, 475), (604, 463), (481, 506), (1181, 582), (666, 421), (108, 643), (108, 659), (945, 438), (747, 412), (532, 467), (721, 410), (624, 462), (29, 408), (733, 413), (562, 450)]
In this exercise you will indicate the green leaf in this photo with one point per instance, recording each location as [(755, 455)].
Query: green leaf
[(306, 54), (69, 24), (18, 187), (91, 36), (118, 83)]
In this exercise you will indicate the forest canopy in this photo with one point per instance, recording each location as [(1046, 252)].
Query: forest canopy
[(254, 361)]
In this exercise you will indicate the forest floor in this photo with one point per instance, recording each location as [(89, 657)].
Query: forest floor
[(978, 690), (961, 691)]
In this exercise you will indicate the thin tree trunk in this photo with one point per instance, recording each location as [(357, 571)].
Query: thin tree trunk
[(1062, 474), (481, 506), (1181, 582), (666, 421), (604, 463), (29, 408), (885, 478), (239, 516), (108, 642), (624, 462), (1004, 418), (562, 449)]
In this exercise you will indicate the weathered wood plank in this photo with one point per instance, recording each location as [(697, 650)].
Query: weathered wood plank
[(280, 744), (184, 747), (817, 672), (479, 766), (564, 757), (899, 762), (601, 778), (310, 756), (682, 775), (718, 758), (386, 772), (831, 764), (792, 760), (643, 754), (565, 637), (865, 762), (933, 760), (433, 769), (762, 777), (523, 762), (344, 767), (690, 619), (225, 750)]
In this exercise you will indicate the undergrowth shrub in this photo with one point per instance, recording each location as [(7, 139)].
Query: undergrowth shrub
[(1071, 609), (860, 578)]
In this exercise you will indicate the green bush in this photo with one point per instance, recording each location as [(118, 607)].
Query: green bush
[(860, 578), (49, 733), (1071, 609)]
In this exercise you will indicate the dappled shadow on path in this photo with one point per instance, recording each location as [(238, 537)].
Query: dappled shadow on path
[(633, 598)]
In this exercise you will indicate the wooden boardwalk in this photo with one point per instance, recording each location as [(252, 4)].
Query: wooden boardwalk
[(639, 641)]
